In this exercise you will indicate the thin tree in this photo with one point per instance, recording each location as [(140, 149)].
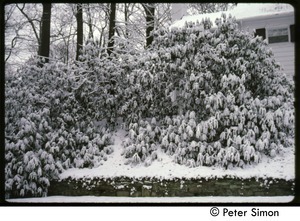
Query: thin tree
[(112, 25), (90, 24), (79, 31), (150, 15), (44, 47), (126, 18), (30, 20)]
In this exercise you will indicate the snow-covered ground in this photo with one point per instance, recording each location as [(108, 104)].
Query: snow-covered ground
[(100, 199), (280, 167)]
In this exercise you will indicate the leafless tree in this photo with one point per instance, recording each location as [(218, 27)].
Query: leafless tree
[(89, 22), (44, 47), (30, 21), (112, 25), (63, 32), (150, 13), (79, 31), (22, 27)]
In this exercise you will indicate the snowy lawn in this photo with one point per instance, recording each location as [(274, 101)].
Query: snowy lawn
[(97, 199), (280, 167)]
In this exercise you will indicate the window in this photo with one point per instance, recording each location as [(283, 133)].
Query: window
[(261, 32), (276, 35)]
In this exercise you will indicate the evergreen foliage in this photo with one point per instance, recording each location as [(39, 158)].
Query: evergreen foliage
[(205, 96), (47, 130), (229, 102)]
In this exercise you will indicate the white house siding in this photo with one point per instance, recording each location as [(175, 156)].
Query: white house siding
[(285, 55), (284, 52)]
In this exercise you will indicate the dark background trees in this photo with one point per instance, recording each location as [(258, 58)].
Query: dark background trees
[(112, 26), (150, 12), (60, 31), (44, 46), (79, 31)]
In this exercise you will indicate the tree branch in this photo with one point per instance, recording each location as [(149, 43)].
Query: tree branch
[(30, 21)]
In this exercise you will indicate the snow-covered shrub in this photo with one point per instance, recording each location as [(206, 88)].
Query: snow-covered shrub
[(46, 130), (103, 88), (141, 145), (238, 105), (188, 65), (98, 76)]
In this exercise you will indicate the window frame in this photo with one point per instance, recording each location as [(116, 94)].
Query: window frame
[(287, 27)]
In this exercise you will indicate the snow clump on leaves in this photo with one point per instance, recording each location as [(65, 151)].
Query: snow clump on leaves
[(219, 94)]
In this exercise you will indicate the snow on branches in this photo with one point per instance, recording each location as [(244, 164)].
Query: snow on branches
[(229, 102), (47, 131), (205, 97)]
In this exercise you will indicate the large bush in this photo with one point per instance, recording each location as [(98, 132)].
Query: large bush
[(46, 130), (103, 80), (215, 97), (218, 92)]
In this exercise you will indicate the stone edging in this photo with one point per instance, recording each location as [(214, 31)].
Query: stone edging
[(147, 187)]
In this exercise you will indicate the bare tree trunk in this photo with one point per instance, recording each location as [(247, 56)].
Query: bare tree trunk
[(112, 25), (126, 19), (44, 47), (79, 31), (150, 13), (91, 35)]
